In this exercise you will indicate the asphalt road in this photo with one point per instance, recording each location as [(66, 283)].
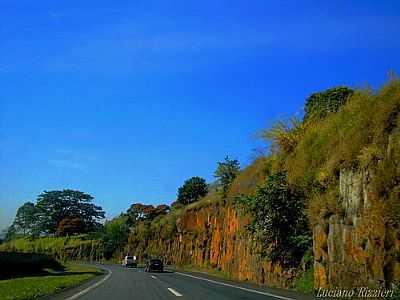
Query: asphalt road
[(133, 283)]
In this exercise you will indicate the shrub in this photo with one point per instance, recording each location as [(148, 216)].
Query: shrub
[(278, 220), (14, 264), (319, 105)]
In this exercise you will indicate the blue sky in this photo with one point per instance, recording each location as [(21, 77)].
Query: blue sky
[(126, 100)]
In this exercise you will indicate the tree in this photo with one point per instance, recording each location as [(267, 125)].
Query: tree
[(319, 105), (226, 172), (192, 190), (279, 219), (69, 226), (10, 233), (25, 219), (160, 210), (142, 212), (116, 235), (3, 235), (55, 206), (138, 212)]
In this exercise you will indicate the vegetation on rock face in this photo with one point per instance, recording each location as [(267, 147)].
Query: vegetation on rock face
[(357, 137), (279, 220), (305, 283)]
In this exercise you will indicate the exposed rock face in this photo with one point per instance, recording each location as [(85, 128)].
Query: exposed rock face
[(356, 247), (216, 237)]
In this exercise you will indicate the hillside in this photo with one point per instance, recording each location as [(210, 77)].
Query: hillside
[(324, 201), (346, 164)]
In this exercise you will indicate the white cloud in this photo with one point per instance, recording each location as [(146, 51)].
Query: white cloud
[(66, 164), (70, 159)]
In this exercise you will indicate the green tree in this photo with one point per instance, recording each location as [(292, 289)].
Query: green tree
[(10, 233), (319, 105), (279, 219), (55, 206), (192, 190), (25, 221), (116, 235), (226, 172)]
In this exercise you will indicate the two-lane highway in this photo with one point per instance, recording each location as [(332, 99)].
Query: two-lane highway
[(131, 283)]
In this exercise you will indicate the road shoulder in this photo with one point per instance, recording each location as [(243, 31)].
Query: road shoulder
[(284, 293), (70, 293)]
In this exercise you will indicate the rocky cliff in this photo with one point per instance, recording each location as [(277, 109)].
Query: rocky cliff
[(215, 237), (360, 245), (347, 165)]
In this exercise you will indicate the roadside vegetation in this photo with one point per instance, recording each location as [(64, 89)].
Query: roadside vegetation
[(32, 275), (49, 281), (77, 247)]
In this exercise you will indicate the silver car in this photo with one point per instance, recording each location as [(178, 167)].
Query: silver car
[(129, 261)]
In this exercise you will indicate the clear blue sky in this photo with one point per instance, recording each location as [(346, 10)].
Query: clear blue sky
[(126, 99)]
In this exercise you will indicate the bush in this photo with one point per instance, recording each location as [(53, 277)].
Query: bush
[(278, 220), (319, 105), (13, 264), (305, 282)]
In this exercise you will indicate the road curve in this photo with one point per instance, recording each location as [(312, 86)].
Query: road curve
[(134, 283)]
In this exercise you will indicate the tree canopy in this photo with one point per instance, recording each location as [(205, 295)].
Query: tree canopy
[(58, 212), (25, 221), (115, 235), (54, 206), (141, 212), (226, 172), (192, 190), (69, 226)]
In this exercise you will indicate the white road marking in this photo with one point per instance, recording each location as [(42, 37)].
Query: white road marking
[(154, 277), (236, 287), (177, 294), (81, 293)]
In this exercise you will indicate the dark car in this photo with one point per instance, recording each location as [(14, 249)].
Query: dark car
[(154, 265)]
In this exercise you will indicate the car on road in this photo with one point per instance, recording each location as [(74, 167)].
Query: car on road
[(129, 261), (153, 265)]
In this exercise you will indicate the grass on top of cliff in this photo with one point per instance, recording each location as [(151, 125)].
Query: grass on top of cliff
[(355, 137)]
